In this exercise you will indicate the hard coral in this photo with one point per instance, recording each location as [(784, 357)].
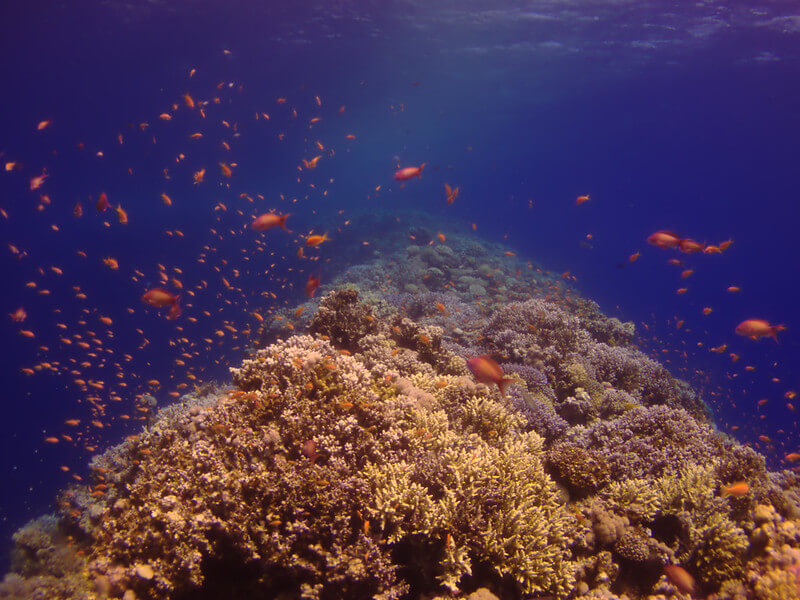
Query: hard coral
[(343, 319)]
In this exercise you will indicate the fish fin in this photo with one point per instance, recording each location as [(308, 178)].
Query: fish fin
[(422, 166)]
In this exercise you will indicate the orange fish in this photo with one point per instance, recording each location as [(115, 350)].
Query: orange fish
[(312, 164), (226, 170), (199, 176), (102, 202), (758, 328), (689, 246), (675, 262), (36, 182), (441, 237), (737, 490), (681, 291), (270, 220), (166, 200), (686, 273), (581, 199), (187, 99), (111, 263), (160, 298), (77, 210), (487, 371), (350, 136), (725, 245), (712, 250), (409, 172), (452, 194), (122, 216), (634, 257), (441, 308), (19, 315), (316, 240), (311, 285), (707, 310), (680, 578), (664, 239), (734, 288), (43, 124), (165, 117), (793, 457)]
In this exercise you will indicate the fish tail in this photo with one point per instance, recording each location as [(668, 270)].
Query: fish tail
[(773, 332), (419, 173), (504, 383), (282, 222)]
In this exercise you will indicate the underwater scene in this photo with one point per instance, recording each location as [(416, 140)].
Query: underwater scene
[(400, 299)]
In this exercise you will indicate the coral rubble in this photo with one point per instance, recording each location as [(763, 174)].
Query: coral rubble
[(358, 458)]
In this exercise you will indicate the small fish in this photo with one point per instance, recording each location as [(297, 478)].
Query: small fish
[(270, 220), (226, 170), (758, 328), (188, 100), (441, 237), (199, 176), (350, 136), (165, 117), (122, 216), (725, 245), (680, 578), (43, 125), (316, 240), (102, 202), (312, 164), (581, 199), (681, 291), (689, 246), (36, 182), (737, 490), (311, 285), (711, 249), (687, 273), (19, 315), (487, 371), (409, 172), (707, 310), (166, 200), (452, 193), (77, 210), (734, 289), (634, 257), (441, 308), (793, 457), (160, 298), (111, 263), (664, 239)]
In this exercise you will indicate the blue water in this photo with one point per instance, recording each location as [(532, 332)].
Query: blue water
[(669, 116)]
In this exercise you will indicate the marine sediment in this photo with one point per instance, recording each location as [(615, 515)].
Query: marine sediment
[(355, 456)]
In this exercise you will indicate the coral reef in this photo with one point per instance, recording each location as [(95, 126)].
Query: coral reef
[(359, 458)]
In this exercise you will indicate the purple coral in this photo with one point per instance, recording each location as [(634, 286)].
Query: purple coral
[(649, 441)]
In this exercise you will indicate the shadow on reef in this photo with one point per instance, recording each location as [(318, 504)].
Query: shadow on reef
[(357, 457)]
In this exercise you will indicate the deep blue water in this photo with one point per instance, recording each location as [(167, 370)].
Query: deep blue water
[(671, 117)]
